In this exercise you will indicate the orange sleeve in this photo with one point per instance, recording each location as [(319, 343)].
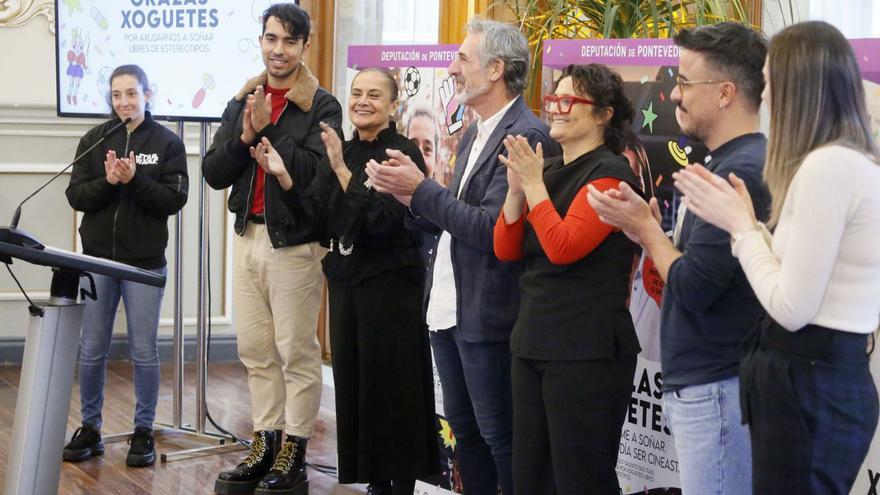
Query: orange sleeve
[(568, 240), (508, 238)]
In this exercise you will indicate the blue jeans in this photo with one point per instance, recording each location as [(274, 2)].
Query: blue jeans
[(475, 378), (142, 303), (713, 446)]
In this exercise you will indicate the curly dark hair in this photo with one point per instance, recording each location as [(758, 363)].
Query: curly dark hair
[(605, 87)]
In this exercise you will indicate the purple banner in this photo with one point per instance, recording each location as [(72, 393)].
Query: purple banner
[(867, 52), (386, 56), (559, 53)]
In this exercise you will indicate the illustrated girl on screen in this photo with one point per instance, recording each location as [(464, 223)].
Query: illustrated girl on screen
[(76, 60)]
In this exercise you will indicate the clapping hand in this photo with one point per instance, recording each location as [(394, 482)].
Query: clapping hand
[(124, 168), (726, 205), (109, 161), (334, 146), (624, 209), (261, 109), (526, 164), (271, 162)]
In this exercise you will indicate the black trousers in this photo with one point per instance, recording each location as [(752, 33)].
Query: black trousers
[(567, 417), (812, 408), (383, 379)]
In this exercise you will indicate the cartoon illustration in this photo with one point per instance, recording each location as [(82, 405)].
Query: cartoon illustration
[(257, 9), (411, 81), (209, 83), (73, 5), (99, 19), (76, 68), (451, 108), (650, 117), (679, 154)]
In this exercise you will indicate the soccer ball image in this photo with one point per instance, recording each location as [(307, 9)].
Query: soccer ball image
[(411, 81)]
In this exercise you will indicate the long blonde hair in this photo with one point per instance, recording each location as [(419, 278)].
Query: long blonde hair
[(816, 98)]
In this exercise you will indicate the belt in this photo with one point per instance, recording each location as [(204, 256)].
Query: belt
[(257, 218)]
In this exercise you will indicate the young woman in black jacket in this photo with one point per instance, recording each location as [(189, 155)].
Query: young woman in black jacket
[(126, 188)]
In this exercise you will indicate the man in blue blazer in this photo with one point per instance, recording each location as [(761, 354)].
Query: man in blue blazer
[(471, 298)]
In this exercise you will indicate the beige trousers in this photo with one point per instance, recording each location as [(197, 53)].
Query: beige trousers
[(276, 298)]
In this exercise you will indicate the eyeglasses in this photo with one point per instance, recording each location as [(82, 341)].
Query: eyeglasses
[(563, 103), (683, 83)]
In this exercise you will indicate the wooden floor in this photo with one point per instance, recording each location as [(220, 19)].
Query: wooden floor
[(229, 405)]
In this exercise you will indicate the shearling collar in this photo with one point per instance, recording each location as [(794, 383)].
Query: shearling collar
[(301, 92)]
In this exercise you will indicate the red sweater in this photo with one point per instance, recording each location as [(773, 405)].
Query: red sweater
[(564, 240), (279, 101)]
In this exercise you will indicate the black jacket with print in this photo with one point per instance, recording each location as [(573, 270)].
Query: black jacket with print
[(129, 222)]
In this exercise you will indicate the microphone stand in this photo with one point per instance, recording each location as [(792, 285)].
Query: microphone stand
[(11, 233)]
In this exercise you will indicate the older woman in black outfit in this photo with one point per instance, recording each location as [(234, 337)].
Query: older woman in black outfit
[(574, 347), (379, 342)]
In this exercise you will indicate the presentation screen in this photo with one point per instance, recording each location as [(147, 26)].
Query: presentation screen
[(197, 54)]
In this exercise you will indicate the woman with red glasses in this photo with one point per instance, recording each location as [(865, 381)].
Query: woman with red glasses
[(574, 346)]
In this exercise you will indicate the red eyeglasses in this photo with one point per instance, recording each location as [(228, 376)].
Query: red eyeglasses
[(563, 103)]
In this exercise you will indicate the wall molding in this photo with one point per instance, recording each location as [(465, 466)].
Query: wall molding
[(20, 12), (32, 168), (222, 348), (42, 121)]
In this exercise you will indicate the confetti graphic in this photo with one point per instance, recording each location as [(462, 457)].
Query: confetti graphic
[(650, 117), (99, 19), (678, 154), (73, 5), (209, 84)]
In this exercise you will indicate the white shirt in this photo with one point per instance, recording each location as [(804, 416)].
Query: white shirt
[(824, 264), (441, 314)]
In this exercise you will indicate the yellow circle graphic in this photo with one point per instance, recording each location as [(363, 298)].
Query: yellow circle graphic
[(678, 154)]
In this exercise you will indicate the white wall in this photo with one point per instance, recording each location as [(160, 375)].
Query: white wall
[(854, 18), (35, 144)]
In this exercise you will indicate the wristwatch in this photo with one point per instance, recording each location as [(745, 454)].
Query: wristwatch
[(736, 236)]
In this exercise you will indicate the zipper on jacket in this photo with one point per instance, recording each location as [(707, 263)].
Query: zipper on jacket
[(115, 215), (265, 202), (266, 211), (116, 210), (247, 200)]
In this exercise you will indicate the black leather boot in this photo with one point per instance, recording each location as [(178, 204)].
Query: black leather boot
[(288, 474), (245, 476)]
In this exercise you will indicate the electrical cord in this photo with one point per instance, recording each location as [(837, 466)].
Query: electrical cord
[(32, 308), (244, 443)]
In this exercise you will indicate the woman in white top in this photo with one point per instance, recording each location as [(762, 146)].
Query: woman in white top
[(807, 392)]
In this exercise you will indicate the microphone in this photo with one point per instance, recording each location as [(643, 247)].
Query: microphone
[(113, 130)]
